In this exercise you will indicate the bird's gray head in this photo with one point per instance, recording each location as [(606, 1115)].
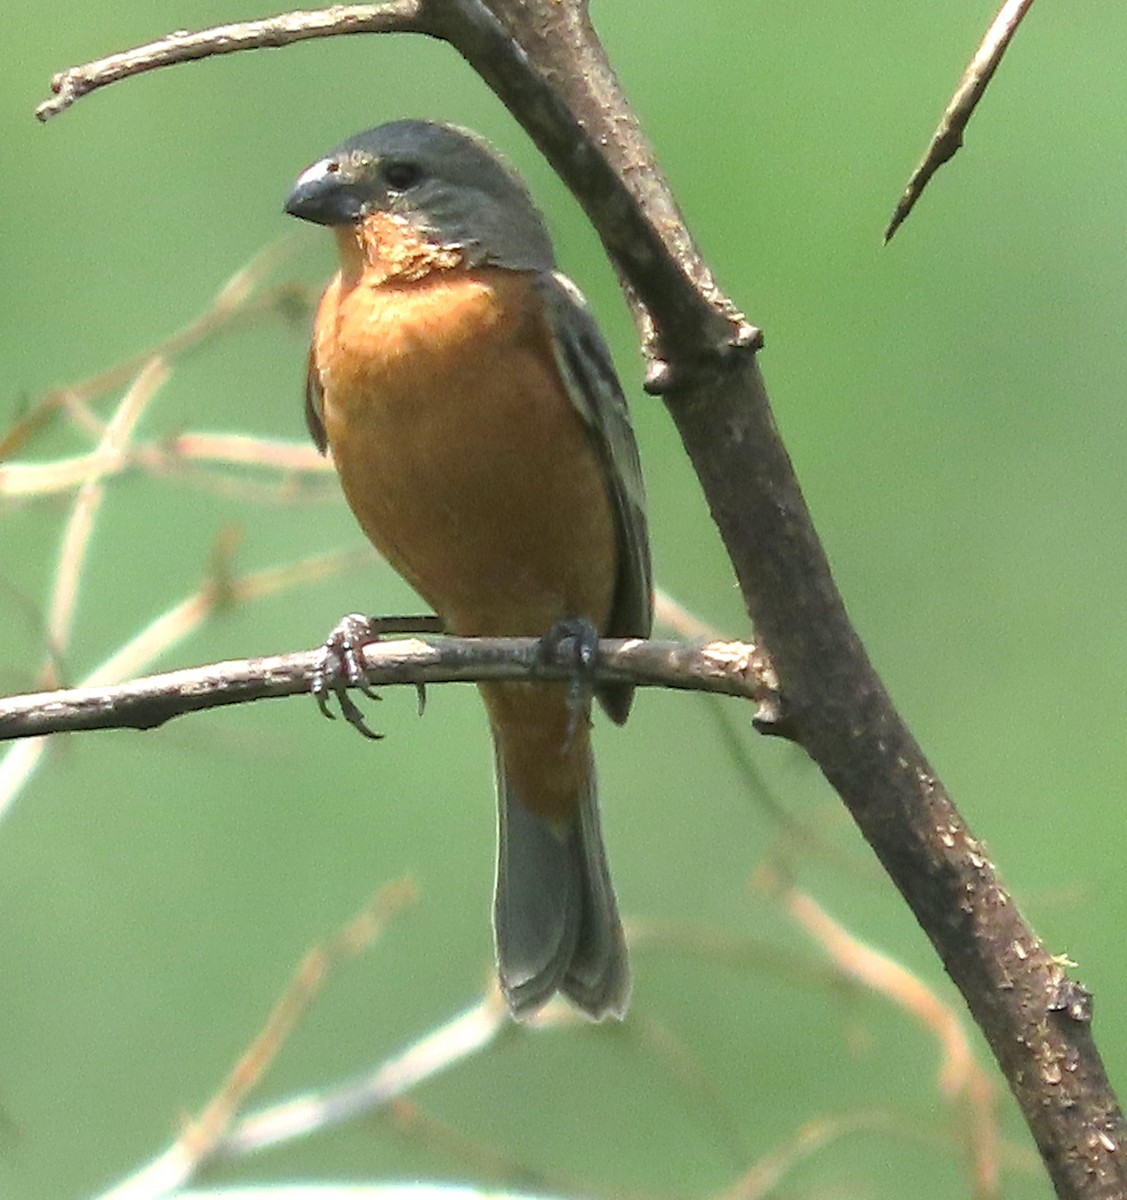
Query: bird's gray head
[(449, 183)]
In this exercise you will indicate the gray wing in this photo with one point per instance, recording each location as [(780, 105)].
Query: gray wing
[(315, 405), (586, 367)]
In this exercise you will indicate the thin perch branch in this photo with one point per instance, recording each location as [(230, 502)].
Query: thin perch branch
[(730, 668), (948, 136)]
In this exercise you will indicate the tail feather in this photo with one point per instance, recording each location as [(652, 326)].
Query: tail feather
[(555, 916)]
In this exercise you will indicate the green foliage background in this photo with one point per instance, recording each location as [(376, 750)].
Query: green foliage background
[(955, 408)]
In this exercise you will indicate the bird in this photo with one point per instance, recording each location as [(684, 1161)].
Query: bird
[(472, 411)]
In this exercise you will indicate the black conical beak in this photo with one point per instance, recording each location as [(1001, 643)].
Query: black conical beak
[(327, 194)]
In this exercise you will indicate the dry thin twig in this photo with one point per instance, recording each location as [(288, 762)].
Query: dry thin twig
[(180, 1162), (357, 1191), (800, 835), (239, 299), (690, 1075), (26, 480), (960, 1077), (479, 1160), (19, 764), (764, 1177), (459, 1039), (84, 512), (204, 1132), (483, 1161), (436, 1051), (311, 1113), (948, 136)]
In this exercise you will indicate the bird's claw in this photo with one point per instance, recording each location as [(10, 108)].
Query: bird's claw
[(342, 667), (574, 641)]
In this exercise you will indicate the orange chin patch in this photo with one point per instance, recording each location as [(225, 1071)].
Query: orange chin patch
[(388, 248)]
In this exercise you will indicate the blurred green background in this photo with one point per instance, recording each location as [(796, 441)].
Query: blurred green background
[(955, 408)]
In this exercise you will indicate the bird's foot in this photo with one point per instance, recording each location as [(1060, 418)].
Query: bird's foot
[(341, 665)]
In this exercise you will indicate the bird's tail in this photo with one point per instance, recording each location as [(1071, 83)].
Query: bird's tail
[(555, 917)]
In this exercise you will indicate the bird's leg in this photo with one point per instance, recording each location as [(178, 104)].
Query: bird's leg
[(574, 641), (341, 664)]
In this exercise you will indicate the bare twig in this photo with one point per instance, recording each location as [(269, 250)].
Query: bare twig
[(948, 136), (441, 1049), (461, 1038), (24, 480), (805, 836), (482, 1161), (239, 299), (438, 1050), (416, 1190), (961, 1079), (19, 764), (244, 450), (204, 1133), (764, 1177), (180, 1162), (692, 1077), (71, 84), (730, 668), (84, 511)]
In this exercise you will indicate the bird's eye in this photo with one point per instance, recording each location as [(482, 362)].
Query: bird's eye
[(399, 176)]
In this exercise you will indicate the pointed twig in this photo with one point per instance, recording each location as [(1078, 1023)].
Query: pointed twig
[(948, 136)]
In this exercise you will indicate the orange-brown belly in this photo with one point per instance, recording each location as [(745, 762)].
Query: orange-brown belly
[(460, 453)]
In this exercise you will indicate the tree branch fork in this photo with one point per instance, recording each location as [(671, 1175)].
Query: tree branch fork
[(720, 667)]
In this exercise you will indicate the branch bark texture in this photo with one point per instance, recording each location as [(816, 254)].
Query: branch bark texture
[(726, 668), (546, 64)]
